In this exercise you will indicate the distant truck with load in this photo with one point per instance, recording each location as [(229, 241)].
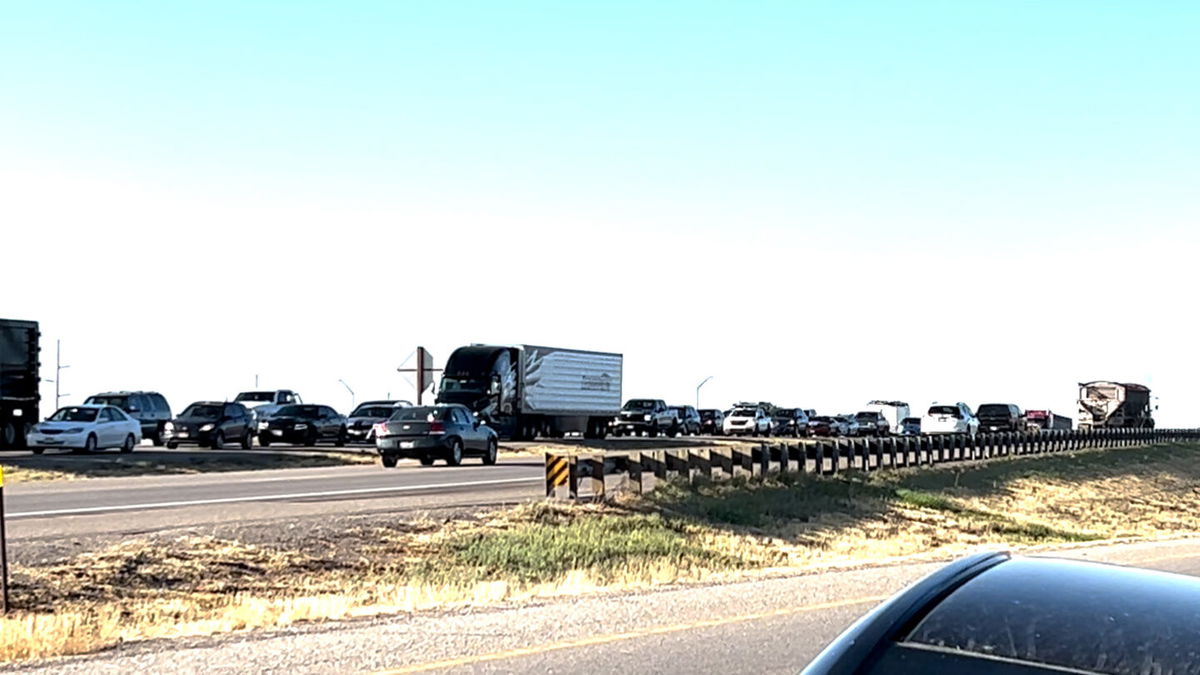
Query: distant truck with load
[(19, 381), (1114, 405), (526, 391), (1045, 420)]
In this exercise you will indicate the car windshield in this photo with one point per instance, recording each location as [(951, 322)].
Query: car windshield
[(783, 414), (708, 414), (824, 420), (75, 415), (742, 412), (865, 416), (639, 404), (255, 397), (911, 420), (421, 414), (118, 401), (461, 384), (202, 411), (943, 410), (379, 411), (303, 411)]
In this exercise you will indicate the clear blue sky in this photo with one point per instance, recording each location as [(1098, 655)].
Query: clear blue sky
[(315, 167)]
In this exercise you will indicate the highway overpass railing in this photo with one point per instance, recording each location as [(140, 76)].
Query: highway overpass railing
[(584, 476)]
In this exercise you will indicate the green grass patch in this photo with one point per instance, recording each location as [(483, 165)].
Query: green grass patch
[(548, 546)]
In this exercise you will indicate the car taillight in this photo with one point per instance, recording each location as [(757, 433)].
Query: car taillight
[(437, 428)]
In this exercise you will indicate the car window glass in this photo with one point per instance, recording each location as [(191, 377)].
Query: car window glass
[(106, 415)]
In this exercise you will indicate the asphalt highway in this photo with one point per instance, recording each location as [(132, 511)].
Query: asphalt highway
[(772, 625), (148, 503)]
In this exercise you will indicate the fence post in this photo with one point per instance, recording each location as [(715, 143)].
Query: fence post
[(635, 473)]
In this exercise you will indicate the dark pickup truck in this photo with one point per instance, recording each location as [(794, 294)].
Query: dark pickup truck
[(649, 415), (997, 417)]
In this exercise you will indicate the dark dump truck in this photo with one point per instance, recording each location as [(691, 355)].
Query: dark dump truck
[(19, 381), (1114, 405), (525, 391)]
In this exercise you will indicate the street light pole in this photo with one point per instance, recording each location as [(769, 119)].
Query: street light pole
[(349, 390), (698, 390)]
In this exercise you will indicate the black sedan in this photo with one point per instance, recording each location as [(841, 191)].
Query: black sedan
[(360, 424), (991, 613), (210, 424), (429, 433), (303, 424)]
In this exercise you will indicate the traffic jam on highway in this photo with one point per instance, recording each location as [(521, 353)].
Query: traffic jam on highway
[(489, 393)]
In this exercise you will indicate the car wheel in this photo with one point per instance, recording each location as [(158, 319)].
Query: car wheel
[(653, 433), (37, 451), (90, 445), (427, 460), (340, 441), (127, 446), (156, 437), (493, 451), (171, 445), (767, 433), (455, 454), (673, 432), (389, 461), (264, 441), (218, 440), (248, 441)]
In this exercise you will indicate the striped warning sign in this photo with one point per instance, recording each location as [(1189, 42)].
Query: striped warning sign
[(556, 470)]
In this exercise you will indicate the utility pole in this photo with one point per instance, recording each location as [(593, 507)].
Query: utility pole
[(256, 380), (705, 381), (58, 368)]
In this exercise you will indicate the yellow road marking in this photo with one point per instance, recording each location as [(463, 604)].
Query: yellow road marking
[(617, 637)]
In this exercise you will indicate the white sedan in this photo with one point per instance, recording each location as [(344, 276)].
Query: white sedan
[(88, 428)]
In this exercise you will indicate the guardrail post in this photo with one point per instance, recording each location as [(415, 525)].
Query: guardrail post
[(835, 456), (783, 458), (635, 473), (597, 471), (659, 458), (573, 478)]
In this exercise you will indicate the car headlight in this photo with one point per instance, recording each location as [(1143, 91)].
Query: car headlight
[(646, 417), (169, 427), (262, 425), (301, 426), (206, 427), (74, 430)]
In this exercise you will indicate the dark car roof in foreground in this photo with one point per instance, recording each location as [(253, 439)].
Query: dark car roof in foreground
[(996, 614)]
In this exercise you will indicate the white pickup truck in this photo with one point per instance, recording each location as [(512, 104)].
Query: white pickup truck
[(263, 403)]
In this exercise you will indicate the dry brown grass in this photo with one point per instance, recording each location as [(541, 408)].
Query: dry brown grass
[(144, 589)]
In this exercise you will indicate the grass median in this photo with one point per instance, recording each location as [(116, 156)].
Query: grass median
[(152, 588)]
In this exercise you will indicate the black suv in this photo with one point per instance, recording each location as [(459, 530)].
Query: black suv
[(209, 424), (689, 419), (789, 422), (147, 407), (994, 417)]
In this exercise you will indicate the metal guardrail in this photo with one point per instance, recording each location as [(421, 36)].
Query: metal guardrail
[(825, 457)]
